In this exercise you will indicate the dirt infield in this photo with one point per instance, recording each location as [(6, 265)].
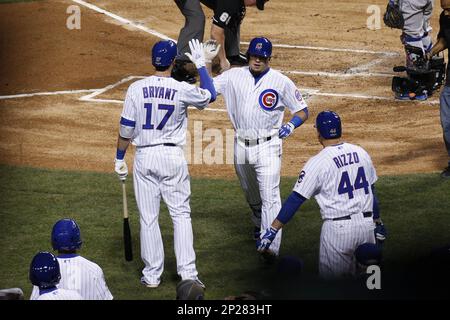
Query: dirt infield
[(60, 131)]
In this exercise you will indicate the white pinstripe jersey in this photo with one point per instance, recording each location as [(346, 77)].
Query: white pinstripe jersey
[(158, 105), (340, 178), (257, 109), (59, 294), (83, 276)]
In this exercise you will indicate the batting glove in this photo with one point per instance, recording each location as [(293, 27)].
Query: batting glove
[(264, 243), (286, 130), (380, 232), (120, 166), (210, 49), (197, 55)]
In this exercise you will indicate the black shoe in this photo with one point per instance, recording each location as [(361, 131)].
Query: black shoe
[(446, 173), (180, 73), (269, 257), (239, 60)]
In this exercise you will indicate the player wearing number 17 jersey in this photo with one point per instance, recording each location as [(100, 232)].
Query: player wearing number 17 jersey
[(154, 118), (341, 177)]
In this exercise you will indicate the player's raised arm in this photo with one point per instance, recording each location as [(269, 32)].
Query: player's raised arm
[(197, 56)]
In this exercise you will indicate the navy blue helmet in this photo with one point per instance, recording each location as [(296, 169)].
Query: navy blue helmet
[(328, 123), (44, 270), (66, 235), (260, 47), (163, 53)]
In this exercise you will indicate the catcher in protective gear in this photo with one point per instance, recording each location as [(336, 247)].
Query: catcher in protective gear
[(393, 16), (190, 290)]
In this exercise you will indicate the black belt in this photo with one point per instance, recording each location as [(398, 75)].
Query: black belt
[(365, 214), (249, 141), (155, 145)]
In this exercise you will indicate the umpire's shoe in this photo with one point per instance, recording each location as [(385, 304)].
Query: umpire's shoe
[(239, 60), (180, 73)]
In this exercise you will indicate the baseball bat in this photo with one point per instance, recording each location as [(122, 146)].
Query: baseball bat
[(126, 227)]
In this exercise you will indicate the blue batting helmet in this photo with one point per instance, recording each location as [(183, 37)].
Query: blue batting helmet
[(163, 53), (261, 47), (328, 123), (368, 254), (66, 235), (44, 270)]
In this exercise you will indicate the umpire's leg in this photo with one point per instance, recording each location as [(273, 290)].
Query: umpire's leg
[(194, 26), (232, 41)]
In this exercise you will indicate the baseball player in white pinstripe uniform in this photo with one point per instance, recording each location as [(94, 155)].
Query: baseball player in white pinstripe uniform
[(341, 178), (154, 118), (45, 275), (77, 273), (256, 97)]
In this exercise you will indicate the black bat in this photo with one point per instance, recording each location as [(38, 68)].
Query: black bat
[(126, 227)]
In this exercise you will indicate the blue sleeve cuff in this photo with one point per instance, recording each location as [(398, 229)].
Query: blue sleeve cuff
[(296, 120), (290, 207), (207, 83), (376, 208), (126, 122), (120, 154)]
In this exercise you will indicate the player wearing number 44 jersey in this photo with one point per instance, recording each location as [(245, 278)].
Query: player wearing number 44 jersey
[(341, 178), (154, 118)]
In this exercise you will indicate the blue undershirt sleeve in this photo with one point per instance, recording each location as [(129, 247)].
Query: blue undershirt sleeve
[(290, 207), (207, 83)]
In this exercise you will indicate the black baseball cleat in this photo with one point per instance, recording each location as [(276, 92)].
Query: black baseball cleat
[(446, 173), (269, 257), (239, 60), (180, 73)]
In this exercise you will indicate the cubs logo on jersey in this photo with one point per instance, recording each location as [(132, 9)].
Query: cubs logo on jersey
[(268, 99)]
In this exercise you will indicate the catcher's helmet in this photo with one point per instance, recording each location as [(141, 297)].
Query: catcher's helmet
[(328, 123), (44, 270), (260, 47), (66, 235), (163, 53), (368, 254), (190, 290)]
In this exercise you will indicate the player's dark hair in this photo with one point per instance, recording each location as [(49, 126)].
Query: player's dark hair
[(162, 69)]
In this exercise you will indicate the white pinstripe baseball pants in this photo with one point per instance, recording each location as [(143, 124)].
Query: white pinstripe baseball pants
[(338, 242), (162, 171), (258, 169)]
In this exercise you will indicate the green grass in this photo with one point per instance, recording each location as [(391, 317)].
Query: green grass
[(415, 208)]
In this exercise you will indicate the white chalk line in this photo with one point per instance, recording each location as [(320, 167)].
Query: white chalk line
[(90, 97), (338, 74), (166, 37), (123, 20), (309, 92), (353, 72), (51, 93)]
